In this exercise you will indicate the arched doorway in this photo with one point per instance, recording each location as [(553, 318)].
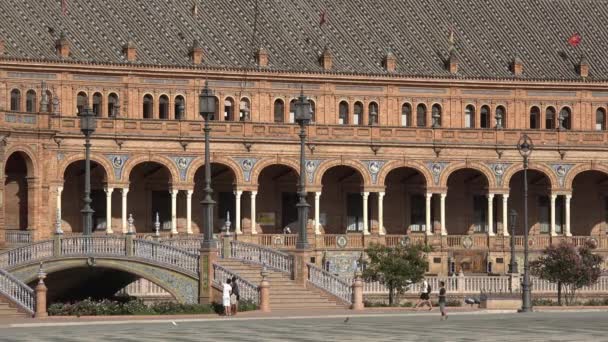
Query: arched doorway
[(73, 194), (149, 186), (539, 203), (341, 206), (16, 192), (222, 183), (277, 199), (467, 203), (589, 203), (404, 201)]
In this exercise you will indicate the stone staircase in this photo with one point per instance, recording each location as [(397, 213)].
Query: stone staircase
[(285, 294), (9, 310)]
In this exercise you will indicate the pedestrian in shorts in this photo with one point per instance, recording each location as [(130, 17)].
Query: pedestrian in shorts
[(442, 300)]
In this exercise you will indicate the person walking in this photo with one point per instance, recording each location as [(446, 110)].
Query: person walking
[(226, 291), (425, 296), (235, 297), (442, 300)]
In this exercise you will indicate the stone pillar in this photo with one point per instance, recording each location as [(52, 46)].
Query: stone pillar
[(317, 212), (174, 193), (125, 224), (553, 198), (491, 214), (301, 258), (505, 215), (567, 231), (381, 229), (237, 214), (59, 214), (264, 292), (253, 223), (444, 230), (427, 221), (205, 265), (357, 289), (109, 210), (41, 291), (365, 196), (189, 211)]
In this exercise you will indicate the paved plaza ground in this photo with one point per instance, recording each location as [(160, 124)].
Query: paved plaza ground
[(461, 326)]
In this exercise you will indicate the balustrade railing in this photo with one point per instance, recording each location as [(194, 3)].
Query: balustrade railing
[(247, 290), (330, 283), (144, 288), (168, 255), (95, 245), (271, 258), (17, 291), (26, 254), (190, 244), (17, 236), (277, 240)]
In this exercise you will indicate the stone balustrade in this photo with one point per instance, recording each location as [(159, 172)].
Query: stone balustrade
[(268, 257), (247, 290), (330, 283), (17, 237), (17, 291)]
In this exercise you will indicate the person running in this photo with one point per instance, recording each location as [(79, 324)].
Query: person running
[(226, 290), (425, 296), (442, 300), (235, 297)]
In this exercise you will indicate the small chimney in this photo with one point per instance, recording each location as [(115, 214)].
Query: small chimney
[(390, 62), (130, 51), (261, 57), (196, 53), (583, 67), (62, 46), (453, 61), (518, 66), (326, 59)]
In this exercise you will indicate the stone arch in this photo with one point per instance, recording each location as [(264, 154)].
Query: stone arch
[(581, 168), (477, 166), (355, 164), (162, 160), (542, 168), (395, 164), (99, 159), (264, 163), (30, 159), (229, 163)]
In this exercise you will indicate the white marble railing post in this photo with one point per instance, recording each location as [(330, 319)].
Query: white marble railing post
[(253, 223), (59, 191), (427, 220), (491, 214), (109, 192), (125, 224), (173, 193), (189, 211), (317, 212), (505, 215), (365, 196), (553, 198), (237, 214), (381, 229), (444, 230), (567, 230)]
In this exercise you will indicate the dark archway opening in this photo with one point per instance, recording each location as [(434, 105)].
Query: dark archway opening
[(16, 192)]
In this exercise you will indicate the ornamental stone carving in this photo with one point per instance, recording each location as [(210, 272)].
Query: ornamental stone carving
[(436, 169), (499, 171), (183, 164), (311, 166), (118, 163), (374, 167), (561, 171), (246, 165)]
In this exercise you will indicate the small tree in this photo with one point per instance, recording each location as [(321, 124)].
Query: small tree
[(568, 266), (396, 267)]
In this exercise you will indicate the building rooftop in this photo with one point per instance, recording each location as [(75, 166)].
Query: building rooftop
[(487, 34)]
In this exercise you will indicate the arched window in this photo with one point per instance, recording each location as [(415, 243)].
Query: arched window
[(30, 101), (436, 115), (469, 116), (343, 113), (49, 102), (534, 118), (228, 109), (373, 112), (600, 119), (97, 102), (313, 111), (566, 118), (501, 117), (357, 113), (216, 115), (15, 100), (421, 115), (81, 101), (113, 105), (279, 111), (163, 107), (550, 118), (484, 117), (292, 111), (148, 106), (406, 114), (245, 112), (179, 107)]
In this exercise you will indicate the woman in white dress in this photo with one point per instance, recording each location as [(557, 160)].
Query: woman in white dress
[(226, 291)]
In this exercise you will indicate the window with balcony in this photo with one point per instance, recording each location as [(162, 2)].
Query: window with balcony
[(179, 107), (550, 118), (15, 100), (406, 115), (163, 107), (228, 109), (313, 111), (501, 117), (113, 105), (81, 101), (534, 118), (49, 104), (436, 115), (292, 111), (469, 117), (245, 110), (279, 111), (566, 117), (97, 102), (421, 115), (358, 113), (373, 113), (30, 101), (343, 113), (484, 117), (600, 119), (148, 106)]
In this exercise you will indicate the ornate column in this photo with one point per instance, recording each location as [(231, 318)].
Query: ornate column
[(567, 230), (109, 210), (174, 193), (125, 224), (491, 214), (505, 215), (365, 195), (553, 198), (444, 230), (427, 221), (253, 223), (59, 191), (381, 229), (189, 211), (237, 214), (317, 212)]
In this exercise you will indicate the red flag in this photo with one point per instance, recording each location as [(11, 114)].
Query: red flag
[(323, 18), (575, 39), (64, 7)]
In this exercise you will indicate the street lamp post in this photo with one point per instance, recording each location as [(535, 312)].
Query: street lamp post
[(525, 146), (88, 123), (513, 222), (302, 117), (206, 101)]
